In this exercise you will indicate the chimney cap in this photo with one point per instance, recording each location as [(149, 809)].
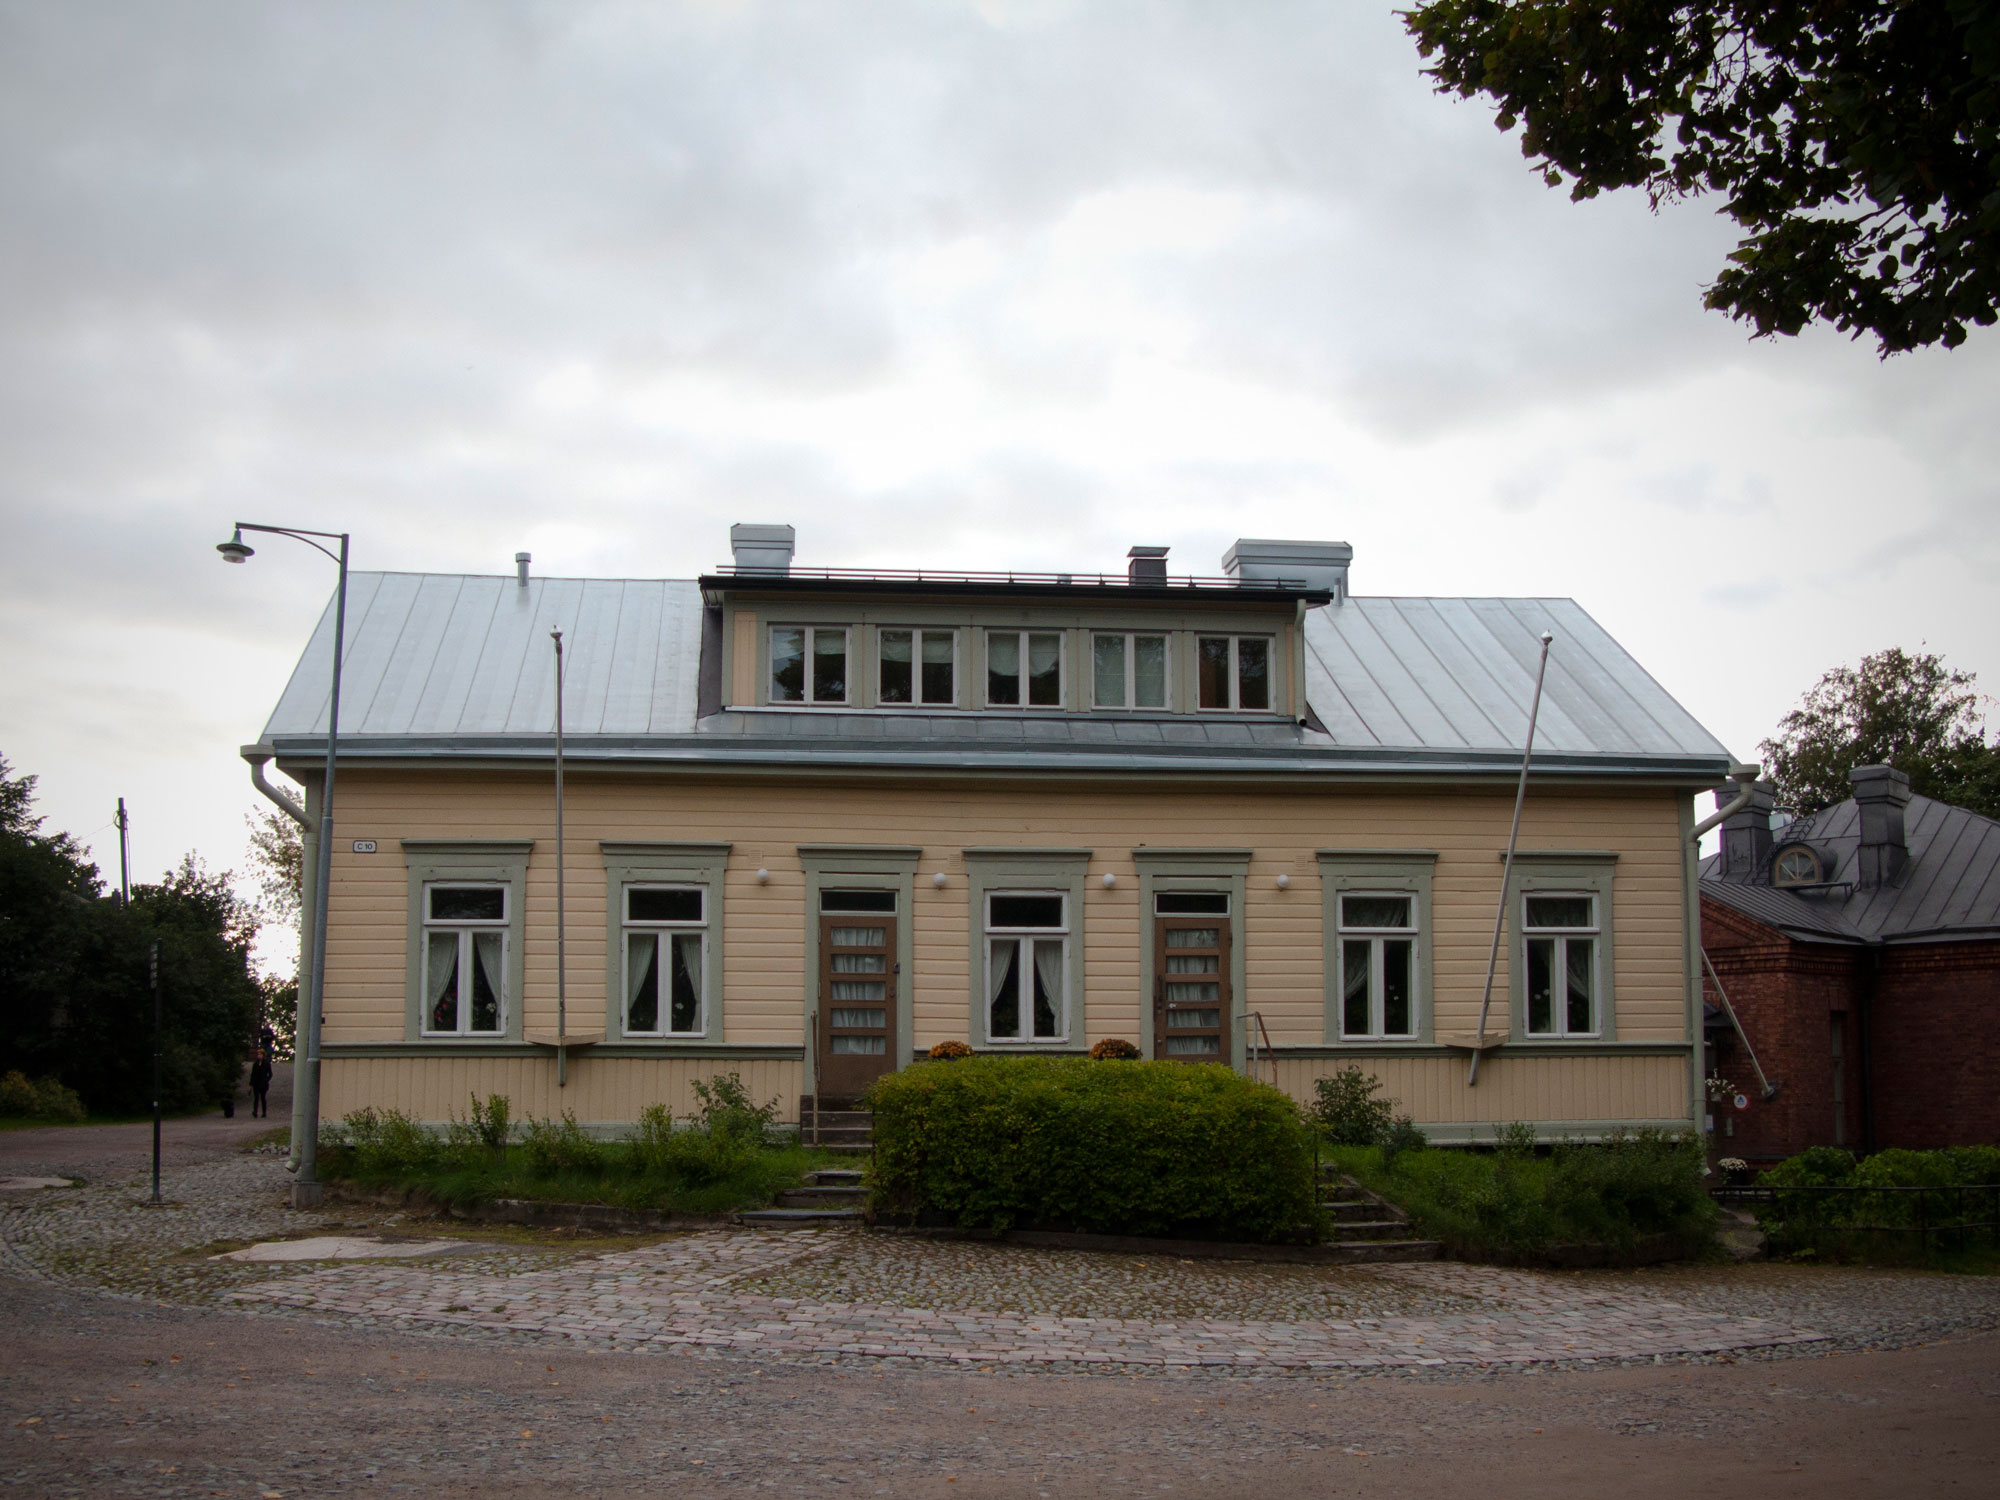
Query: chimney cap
[(1148, 552), (1879, 784), (761, 547)]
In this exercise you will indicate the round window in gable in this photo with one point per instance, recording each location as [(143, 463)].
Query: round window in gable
[(1797, 865)]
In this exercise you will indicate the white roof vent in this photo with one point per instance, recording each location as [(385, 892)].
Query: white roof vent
[(762, 549), (1311, 565)]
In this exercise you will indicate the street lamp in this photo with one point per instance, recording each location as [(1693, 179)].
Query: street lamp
[(306, 1190)]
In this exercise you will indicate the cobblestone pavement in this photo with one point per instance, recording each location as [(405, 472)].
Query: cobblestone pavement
[(816, 1294)]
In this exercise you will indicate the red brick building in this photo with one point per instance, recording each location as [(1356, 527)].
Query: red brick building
[(1859, 951)]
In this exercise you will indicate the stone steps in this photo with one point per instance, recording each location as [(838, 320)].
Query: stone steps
[(833, 1195), (1368, 1228)]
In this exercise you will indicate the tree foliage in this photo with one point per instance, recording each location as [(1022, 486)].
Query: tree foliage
[(1857, 142), (75, 1001), (1899, 709)]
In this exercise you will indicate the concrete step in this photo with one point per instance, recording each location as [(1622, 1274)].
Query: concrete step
[(1350, 1208), (822, 1197), (846, 1148), (798, 1218), (835, 1177), (1377, 1252), (1370, 1229)]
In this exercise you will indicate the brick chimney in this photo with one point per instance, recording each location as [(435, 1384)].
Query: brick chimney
[(1746, 834), (1880, 795)]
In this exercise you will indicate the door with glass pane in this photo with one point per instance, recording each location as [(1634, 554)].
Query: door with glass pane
[(857, 1001), (1191, 988)]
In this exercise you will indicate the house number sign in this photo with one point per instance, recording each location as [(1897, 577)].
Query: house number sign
[(364, 846)]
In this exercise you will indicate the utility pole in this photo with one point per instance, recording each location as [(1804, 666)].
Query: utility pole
[(562, 935), (124, 857), (153, 973)]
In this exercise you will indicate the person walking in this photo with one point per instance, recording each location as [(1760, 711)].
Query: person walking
[(260, 1085)]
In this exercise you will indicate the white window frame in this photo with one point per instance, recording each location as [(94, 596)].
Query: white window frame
[(1023, 634), (916, 633), (1815, 869), (1561, 938), (1025, 939), (465, 928), (1235, 703), (663, 932), (1375, 937), (1130, 639), (809, 632)]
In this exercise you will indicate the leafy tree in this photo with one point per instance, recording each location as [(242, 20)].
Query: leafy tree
[(277, 859), (1898, 709), (75, 1002), (1857, 141)]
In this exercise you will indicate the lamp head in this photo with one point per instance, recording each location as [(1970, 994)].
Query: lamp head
[(236, 550)]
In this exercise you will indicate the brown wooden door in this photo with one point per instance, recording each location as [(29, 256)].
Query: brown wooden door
[(857, 1001), (1191, 998)]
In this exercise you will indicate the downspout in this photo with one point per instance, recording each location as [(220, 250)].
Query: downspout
[(1746, 779), (258, 757), (1865, 1008)]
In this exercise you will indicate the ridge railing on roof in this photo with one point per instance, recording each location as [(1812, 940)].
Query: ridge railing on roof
[(944, 575)]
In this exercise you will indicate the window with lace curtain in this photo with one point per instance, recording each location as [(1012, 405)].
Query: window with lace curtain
[(465, 960), (666, 948), (1027, 965)]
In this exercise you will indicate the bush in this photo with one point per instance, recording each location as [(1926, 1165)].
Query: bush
[(1348, 1111), (1115, 1049), (386, 1143), (1144, 1148), (489, 1128), (725, 1109), (1514, 1202), (553, 1147), (43, 1099), (947, 1051), (1851, 1225)]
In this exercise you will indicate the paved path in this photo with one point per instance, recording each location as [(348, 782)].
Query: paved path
[(688, 1292)]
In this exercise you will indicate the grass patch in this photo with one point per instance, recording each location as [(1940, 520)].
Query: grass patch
[(1520, 1201), (718, 1161)]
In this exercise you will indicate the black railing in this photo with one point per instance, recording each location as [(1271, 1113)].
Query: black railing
[(1953, 1216)]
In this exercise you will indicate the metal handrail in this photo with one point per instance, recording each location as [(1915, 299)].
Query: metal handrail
[(952, 575), (1925, 1228), (812, 1036), (1269, 1049)]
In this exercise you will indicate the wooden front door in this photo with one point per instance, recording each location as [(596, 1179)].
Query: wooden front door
[(857, 1001), (1191, 988)]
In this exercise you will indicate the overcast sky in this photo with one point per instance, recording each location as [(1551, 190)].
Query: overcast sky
[(973, 285)]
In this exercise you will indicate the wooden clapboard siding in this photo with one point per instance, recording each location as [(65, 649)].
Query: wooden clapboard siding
[(600, 1091), (1432, 1091), (763, 945)]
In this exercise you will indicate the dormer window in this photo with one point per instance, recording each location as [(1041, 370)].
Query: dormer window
[(1234, 671), (917, 667), (1797, 864), (808, 664), (1128, 671), (1024, 669)]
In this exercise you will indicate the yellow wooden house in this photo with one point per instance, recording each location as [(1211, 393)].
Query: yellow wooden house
[(818, 820)]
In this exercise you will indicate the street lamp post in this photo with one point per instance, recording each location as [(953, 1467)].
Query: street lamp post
[(306, 1190)]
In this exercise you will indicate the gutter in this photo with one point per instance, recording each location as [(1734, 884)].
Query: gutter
[(1745, 778), (259, 756)]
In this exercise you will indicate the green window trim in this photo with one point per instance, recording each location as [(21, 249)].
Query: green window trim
[(1558, 871), (1058, 871), (1378, 872), (501, 862), (630, 863)]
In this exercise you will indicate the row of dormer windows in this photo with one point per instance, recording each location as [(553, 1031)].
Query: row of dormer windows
[(917, 667)]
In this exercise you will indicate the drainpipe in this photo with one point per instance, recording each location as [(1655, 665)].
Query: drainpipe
[(1864, 1017), (260, 758), (1745, 778)]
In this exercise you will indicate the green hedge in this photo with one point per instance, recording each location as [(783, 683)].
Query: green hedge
[(1851, 1225), (1514, 1201), (1142, 1148)]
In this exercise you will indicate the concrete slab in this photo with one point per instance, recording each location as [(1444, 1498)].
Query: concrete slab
[(344, 1247), (32, 1184)]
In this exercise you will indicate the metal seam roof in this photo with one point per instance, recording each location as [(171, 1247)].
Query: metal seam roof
[(463, 661)]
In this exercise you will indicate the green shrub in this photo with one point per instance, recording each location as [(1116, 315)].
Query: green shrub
[(386, 1143), (489, 1127), (725, 1109), (42, 1099), (1403, 1136), (1513, 1201), (1144, 1148), (552, 1147), (1881, 1226), (697, 1155), (1348, 1112)]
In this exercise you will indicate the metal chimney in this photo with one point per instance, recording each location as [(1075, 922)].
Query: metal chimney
[(521, 561), (1146, 567), (1746, 833), (1880, 795), (762, 549)]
